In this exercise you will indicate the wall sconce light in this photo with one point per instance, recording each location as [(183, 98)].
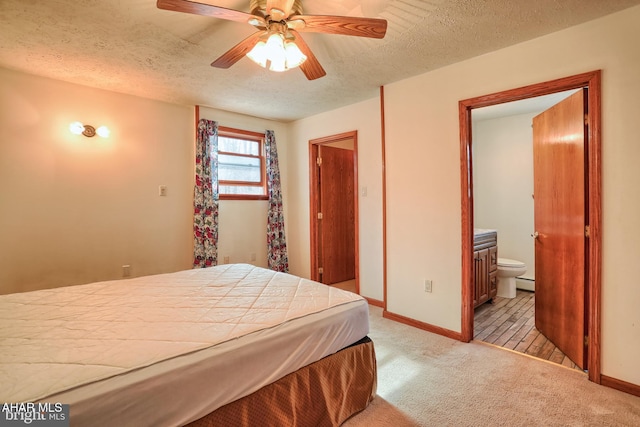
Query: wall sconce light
[(78, 128)]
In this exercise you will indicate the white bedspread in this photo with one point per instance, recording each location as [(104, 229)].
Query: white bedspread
[(58, 339)]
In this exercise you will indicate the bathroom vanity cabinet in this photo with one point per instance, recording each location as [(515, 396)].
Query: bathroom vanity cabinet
[(485, 265)]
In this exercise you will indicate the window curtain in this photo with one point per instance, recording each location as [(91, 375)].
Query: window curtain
[(205, 197), (276, 242)]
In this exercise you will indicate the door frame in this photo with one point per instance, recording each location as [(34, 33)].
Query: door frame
[(313, 200), (593, 258)]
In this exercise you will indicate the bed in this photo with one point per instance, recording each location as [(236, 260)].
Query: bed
[(233, 344)]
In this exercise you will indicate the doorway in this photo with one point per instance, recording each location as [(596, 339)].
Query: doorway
[(506, 138), (591, 210), (334, 210)]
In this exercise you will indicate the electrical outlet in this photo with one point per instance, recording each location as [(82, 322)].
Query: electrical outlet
[(428, 285), (162, 190), (226, 260), (126, 270), (253, 256)]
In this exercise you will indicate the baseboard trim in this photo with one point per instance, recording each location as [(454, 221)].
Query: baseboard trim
[(375, 302), (620, 385), (421, 325)]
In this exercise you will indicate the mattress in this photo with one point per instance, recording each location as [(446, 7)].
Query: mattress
[(170, 348)]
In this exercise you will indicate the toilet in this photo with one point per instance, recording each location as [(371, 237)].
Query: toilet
[(508, 270)]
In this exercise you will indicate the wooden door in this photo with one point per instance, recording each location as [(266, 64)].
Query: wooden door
[(337, 206), (559, 160)]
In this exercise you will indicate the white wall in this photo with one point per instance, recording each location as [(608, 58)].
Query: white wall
[(242, 224), (75, 209), (423, 171), (503, 184), (363, 117)]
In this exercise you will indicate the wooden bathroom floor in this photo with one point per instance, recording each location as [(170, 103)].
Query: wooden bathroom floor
[(510, 323)]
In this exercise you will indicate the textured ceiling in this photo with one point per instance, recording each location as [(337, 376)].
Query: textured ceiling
[(130, 46)]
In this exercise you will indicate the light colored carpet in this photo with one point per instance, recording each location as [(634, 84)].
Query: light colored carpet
[(429, 380)]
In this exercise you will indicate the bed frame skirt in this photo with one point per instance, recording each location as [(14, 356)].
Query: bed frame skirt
[(324, 393)]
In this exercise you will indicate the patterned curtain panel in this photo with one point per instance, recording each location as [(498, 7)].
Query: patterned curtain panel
[(276, 242), (205, 197)]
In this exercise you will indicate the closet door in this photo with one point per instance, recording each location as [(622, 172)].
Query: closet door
[(337, 226)]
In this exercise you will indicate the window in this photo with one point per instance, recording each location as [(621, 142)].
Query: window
[(241, 164)]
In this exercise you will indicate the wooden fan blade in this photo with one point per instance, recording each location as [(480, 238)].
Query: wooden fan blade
[(311, 67), (281, 5), (236, 53), (204, 10), (345, 25)]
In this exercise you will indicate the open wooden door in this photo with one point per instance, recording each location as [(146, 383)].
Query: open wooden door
[(559, 162), (336, 227)]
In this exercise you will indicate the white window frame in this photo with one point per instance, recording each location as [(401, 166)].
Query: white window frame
[(228, 132)]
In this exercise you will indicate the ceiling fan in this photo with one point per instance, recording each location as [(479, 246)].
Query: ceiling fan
[(278, 43)]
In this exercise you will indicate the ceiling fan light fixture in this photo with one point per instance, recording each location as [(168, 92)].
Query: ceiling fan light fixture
[(275, 45), (259, 54), (278, 65), (280, 55), (276, 53), (282, 19), (295, 57)]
